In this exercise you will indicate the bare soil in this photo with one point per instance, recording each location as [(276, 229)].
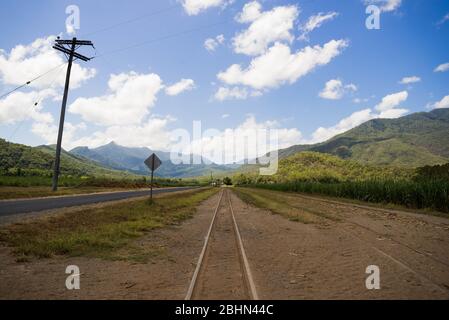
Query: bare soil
[(288, 260), (328, 260), (173, 255)]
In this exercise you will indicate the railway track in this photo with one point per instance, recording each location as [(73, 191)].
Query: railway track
[(222, 271)]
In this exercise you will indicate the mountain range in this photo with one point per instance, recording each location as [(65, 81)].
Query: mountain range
[(132, 160), (415, 140)]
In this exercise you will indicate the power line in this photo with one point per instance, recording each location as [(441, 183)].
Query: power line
[(169, 36), (38, 101), (30, 81), (132, 20)]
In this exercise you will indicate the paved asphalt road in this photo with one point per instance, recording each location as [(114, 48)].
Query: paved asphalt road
[(11, 207)]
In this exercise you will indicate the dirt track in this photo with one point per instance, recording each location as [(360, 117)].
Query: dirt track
[(328, 260), (289, 260)]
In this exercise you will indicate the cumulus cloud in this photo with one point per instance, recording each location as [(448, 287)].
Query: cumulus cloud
[(442, 67), (265, 28), (315, 22), (354, 120), (392, 101), (194, 7), (48, 131), (211, 44), (25, 62), (20, 106), (152, 133), (385, 5), (250, 12), (279, 65), (223, 93), (386, 109), (335, 89), (180, 87), (233, 145), (443, 103), (409, 80), (130, 97)]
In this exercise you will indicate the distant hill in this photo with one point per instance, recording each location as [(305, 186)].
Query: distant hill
[(39, 160), (132, 160), (415, 140), (320, 167)]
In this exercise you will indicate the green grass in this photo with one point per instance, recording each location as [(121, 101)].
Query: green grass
[(100, 232), (432, 195)]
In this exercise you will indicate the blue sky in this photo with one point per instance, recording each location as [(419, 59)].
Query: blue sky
[(285, 89)]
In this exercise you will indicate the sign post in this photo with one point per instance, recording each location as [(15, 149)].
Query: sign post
[(153, 163)]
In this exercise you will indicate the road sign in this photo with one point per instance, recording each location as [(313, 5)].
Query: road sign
[(153, 162)]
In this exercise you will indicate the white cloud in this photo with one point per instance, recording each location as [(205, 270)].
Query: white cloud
[(250, 12), (387, 109), (130, 97), (409, 80), (20, 106), (224, 146), (314, 22), (392, 101), (194, 7), (354, 120), (223, 93), (266, 28), (212, 43), (225, 116), (25, 62), (152, 133), (385, 5), (48, 131), (279, 65), (335, 89), (181, 86), (443, 103), (442, 67)]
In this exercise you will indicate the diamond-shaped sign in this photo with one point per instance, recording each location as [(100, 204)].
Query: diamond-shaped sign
[(153, 162)]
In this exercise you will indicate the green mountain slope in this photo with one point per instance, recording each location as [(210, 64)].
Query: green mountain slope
[(321, 167), (415, 140), (39, 160), (129, 159)]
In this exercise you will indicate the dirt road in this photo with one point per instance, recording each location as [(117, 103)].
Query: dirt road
[(325, 259)]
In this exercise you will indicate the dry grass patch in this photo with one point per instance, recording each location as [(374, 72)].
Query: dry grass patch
[(282, 204), (101, 232)]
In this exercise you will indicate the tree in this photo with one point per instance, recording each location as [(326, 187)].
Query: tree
[(227, 181)]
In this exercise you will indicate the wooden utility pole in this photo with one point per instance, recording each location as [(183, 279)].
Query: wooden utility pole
[(70, 53)]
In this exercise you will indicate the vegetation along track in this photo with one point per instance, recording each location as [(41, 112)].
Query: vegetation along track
[(222, 271)]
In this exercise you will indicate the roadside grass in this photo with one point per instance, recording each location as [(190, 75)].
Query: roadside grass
[(7, 193), (278, 204), (107, 232)]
